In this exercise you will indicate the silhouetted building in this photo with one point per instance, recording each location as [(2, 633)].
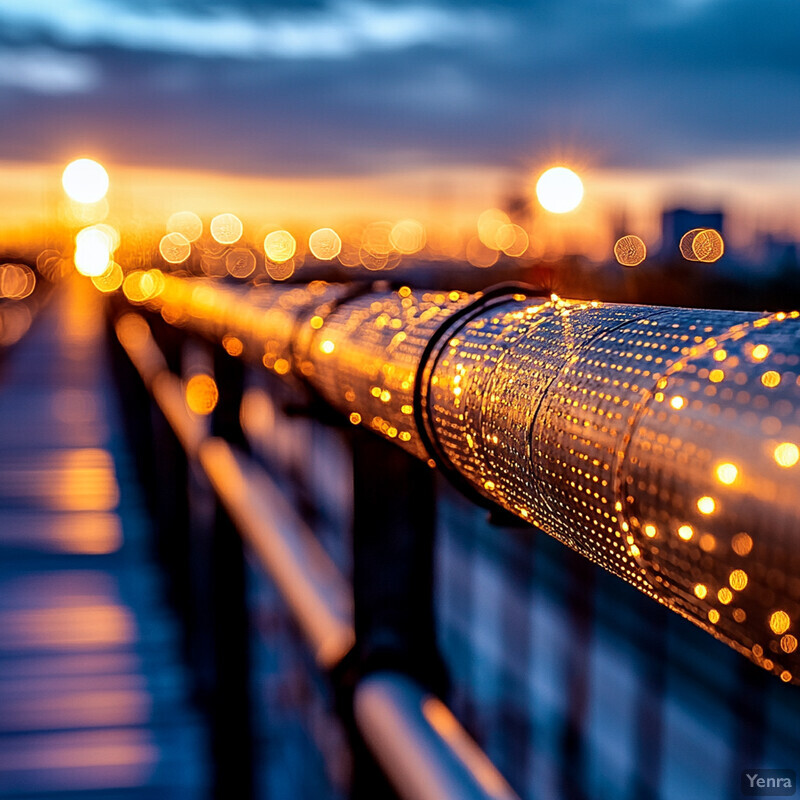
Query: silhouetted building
[(675, 222)]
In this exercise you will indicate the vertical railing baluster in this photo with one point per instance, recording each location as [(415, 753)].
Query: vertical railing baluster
[(232, 728), (394, 523)]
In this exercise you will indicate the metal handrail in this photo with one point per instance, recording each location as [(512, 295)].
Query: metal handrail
[(661, 443), (425, 737)]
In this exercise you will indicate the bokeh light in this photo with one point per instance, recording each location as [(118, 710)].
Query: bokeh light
[(787, 454), (630, 250), (202, 394), (325, 244), (93, 250), (240, 262), (479, 255), (85, 181), (727, 473), (512, 239), (559, 190), (707, 246), (110, 280), (186, 223), (490, 223), (175, 248), (279, 246), (408, 236), (17, 281), (226, 228)]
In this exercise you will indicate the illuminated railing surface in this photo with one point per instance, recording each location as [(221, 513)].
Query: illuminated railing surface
[(419, 743), (660, 443)]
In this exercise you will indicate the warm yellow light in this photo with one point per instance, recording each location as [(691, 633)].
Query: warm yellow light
[(708, 246), (512, 240), (716, 376), (771, 379), (630, 251), (240, 262), (408, 236), (760, 352), (85, 181), (281, 366), (480, 255), (233, 345), (685, 532), (280, 271), (226, 228), (742, 544), (701, 590), (489, 224), (786, 454), (707, 543), (706, 505), (279, 246), (187, 223), (201, 394), (650, 531), (16, 281), (175, 248), (738, 579), (727, 473), (93, 248), (779, 621), (687, 240), (559, 190), (137, 287), (327, 347), (677, 402), (725, 595), (713, 616), (110, 280), (325, 244)]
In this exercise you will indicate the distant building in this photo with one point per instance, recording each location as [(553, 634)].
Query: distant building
[(675, 222), (778, 254)]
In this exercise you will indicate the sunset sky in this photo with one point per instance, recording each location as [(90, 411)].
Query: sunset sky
[(438, 108)]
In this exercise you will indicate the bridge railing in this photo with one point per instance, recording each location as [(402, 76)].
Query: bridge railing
[(382, 673), (660, 443)]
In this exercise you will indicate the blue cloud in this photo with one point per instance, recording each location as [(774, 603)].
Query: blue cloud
[(346, 86)]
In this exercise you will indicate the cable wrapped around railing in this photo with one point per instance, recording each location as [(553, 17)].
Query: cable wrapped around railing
[(660, 443)]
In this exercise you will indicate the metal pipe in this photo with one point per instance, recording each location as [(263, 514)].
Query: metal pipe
[(661, 443)]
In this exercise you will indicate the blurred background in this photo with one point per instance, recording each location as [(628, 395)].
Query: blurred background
[(310, 114)]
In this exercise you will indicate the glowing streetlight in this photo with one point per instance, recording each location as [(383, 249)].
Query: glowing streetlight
[(85, 181), (559, 190)]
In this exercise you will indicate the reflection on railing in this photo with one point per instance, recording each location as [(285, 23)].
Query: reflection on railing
[(421, 746), (660, 443)]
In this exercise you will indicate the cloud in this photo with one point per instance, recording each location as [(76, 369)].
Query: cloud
[(46, 71), (338, 29), (337, 86)]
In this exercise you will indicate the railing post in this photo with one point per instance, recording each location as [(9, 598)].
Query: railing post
[(232, 730), (169, 476), (393, 547)]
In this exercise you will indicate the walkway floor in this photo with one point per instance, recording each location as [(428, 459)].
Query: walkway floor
[(93, 696)]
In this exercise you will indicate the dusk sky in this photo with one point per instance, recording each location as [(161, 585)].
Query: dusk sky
[(668, 90)]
